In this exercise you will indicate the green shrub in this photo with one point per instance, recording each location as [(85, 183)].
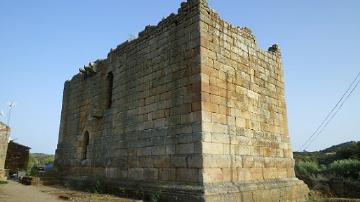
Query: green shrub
[(345, 168), (352, 151), (155, 197), (99, 186), (307, 168), (33, 172), (39, 160)]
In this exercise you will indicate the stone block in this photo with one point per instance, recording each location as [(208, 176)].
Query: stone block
[(220, 138), (244, 174), (257, 174), (167, 174), (158, 150), (216, 161), (161, 161), (150, 174), (187, 175), (185, 148), (194, 161), (212, 148), (213, 175), (136, 174), (248, 162), (178, 161)]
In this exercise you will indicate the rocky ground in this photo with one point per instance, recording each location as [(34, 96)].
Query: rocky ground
[(16, 192)]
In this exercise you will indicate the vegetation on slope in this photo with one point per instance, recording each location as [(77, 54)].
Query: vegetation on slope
[(334, 171)]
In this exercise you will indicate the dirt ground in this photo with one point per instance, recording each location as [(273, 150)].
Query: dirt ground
[(16, 192), (316, 196)]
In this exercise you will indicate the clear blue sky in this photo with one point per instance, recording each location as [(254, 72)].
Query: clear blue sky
[(43, 43)]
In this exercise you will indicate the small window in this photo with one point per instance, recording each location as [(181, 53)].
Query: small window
[(110, 81), (85, 145)]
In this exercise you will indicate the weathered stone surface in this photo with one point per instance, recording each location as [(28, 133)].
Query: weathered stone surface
[(4, 140), (192, 107)]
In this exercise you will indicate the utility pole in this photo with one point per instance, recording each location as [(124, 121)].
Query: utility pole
[(11, 107)]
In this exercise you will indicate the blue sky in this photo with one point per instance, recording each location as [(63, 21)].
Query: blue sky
[(43, 43)]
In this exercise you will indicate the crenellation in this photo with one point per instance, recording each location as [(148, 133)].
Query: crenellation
[(186, 17)]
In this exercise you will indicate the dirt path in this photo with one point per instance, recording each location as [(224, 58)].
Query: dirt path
[(16, 192)]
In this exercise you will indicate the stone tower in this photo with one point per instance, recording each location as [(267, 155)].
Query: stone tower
[(191, 109), (4, 140)]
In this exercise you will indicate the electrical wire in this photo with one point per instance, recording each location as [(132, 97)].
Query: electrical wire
[(320, 129)]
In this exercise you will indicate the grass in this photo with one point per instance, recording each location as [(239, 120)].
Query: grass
[(3, 182)]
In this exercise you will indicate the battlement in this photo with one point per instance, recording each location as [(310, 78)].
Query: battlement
[(197, 9), (212, 17), (188, 9)]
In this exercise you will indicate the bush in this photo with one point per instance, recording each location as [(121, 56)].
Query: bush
[(39, 160), (33, 172), (350, 152), (99, 186), (345, 168), (307, 168), (155, 197)]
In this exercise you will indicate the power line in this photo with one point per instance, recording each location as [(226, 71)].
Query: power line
[(332, 113), (332, 110), (332, 117)]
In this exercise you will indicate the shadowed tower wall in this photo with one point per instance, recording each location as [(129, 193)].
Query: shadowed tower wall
[(143, 126), (191, 108), (4, 140)]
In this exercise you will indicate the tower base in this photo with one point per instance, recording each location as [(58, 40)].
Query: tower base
[(3, 175), (290, 189)]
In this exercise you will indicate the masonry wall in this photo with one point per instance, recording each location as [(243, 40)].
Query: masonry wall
[(152, 131), (243, 104), (17, 157), (4, 139)]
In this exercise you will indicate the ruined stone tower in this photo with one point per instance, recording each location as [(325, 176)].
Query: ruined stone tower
[(4, 140), (191, 109)]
